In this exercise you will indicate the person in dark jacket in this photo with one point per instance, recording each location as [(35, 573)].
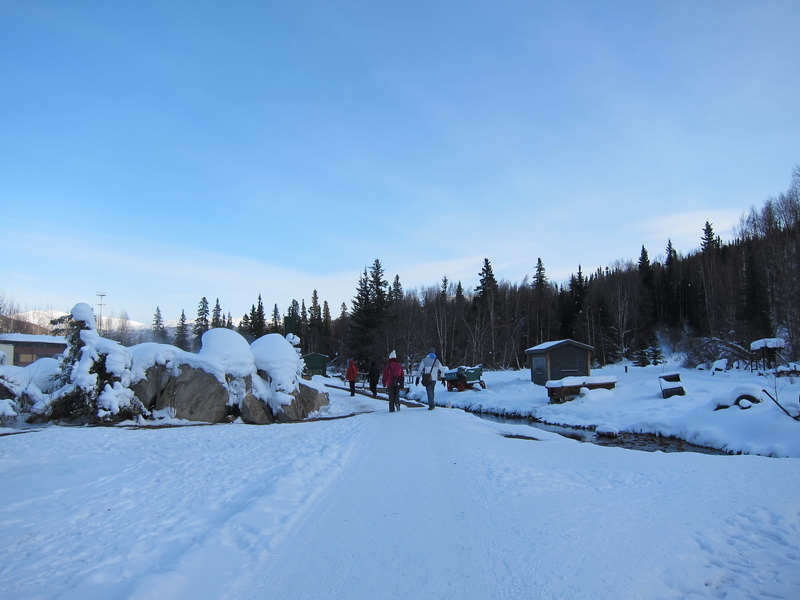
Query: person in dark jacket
[(352, 376), (374, 377), (393, 378)]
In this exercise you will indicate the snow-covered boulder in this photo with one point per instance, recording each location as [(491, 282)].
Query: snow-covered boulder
[(227, 379), (276, 356), (99, 380)]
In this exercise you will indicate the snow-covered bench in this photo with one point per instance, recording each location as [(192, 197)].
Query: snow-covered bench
[(671, 384), (560, 390), (790, 370)]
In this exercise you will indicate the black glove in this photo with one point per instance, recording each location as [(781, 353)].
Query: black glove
[(417, 381)]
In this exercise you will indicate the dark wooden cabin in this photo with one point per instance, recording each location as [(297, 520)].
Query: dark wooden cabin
[(559, 359)]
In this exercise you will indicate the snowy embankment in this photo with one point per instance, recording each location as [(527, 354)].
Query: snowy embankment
[(414, 504), (636, 405)]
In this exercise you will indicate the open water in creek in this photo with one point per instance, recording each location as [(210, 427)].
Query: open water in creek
[(645, 442)]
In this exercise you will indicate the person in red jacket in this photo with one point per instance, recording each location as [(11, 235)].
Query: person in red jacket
[(352, 376), (393, 378)]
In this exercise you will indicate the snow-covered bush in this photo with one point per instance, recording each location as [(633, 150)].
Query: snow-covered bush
[(8, 413), (704, 351), (94, 379)]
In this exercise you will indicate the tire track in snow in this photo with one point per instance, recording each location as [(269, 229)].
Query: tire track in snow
[(253, 519)]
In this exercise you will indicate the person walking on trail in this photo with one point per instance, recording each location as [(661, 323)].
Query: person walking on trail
[(393, 377), (374, 376), (431, 371), (352, 376)]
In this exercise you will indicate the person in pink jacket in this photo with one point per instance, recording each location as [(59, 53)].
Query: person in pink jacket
[(393, 378)]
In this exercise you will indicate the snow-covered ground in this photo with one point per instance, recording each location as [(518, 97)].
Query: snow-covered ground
[(415, 504), (636, 405)]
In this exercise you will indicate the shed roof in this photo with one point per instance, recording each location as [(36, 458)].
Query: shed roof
[(26, 338), (554, 344)]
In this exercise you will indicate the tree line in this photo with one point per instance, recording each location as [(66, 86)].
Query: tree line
[(709, 303)]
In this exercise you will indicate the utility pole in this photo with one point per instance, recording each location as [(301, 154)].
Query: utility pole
[(100, 295)]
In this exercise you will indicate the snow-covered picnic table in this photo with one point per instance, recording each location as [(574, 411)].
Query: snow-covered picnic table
[(567, 388)]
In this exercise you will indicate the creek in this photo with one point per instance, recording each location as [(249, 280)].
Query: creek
[(645, 442)]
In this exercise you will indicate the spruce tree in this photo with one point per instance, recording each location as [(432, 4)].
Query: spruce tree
[(275, 325), (539, 320), (486, 292), (159, 331), (314, 335), (709, 247), (327, 326), (244, 328), (710, 241), (369, 316), (670, 289), (486, 305), (396, 293), (378, 291), (201, 323), (182, 333), (646, 313), (540, 279), (315, 311), (217, 319), (258, 320)]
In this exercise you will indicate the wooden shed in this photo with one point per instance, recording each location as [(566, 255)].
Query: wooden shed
[(22, 349), (559, 359), (316, 363)]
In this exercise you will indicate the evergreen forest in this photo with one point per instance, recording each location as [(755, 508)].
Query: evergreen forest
[(711, 303)]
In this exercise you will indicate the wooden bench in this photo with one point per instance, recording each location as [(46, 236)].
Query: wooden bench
[(792, 370), (568, 388)]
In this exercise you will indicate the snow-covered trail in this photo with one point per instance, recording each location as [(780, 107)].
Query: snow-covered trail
[(438, 505), (416, 504), (411, 516)]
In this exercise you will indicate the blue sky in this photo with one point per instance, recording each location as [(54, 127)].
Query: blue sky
[(164, 151)]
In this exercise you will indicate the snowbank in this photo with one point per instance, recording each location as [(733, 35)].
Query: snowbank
[(636, 405)]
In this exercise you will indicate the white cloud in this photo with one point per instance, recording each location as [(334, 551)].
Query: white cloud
[(685, 229)]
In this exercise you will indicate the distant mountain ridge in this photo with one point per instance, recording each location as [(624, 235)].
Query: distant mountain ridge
[(40, 320)]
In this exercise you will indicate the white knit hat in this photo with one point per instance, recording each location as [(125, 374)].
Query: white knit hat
[(392, 354)]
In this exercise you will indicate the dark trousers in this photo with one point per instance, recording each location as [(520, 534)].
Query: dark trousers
[(394, 398), (430, 388), (352, 388)]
